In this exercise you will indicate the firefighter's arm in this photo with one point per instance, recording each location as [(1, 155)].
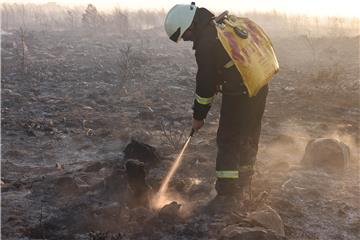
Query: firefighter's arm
[(205, 82)]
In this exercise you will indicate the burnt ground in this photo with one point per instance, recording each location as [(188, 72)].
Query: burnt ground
[(74, 100)]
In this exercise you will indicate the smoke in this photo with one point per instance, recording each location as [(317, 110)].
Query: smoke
[(349, 140), (288, 148), (162, 197)]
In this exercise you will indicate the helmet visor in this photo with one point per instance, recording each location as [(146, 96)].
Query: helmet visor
[(176, 35)]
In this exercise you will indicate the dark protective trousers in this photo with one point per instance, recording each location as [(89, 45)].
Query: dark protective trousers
[(237, 140)]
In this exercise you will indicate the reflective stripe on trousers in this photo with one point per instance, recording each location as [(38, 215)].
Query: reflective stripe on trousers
[(227, 174), (234, 173)]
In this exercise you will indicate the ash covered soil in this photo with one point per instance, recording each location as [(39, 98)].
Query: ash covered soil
[(74, 100)]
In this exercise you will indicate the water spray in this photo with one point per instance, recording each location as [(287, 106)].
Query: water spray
[(160, 198)]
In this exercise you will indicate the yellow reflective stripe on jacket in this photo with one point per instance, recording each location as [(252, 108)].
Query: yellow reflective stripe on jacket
[(204, 101), (229, 64), (227, 174)]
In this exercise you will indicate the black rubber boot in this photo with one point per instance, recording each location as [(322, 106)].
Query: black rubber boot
[(223, 204), (228, 198), (228, 186)]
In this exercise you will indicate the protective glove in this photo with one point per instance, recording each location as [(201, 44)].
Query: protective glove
[(197, 124)]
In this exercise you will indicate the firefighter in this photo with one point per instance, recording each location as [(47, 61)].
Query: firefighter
[(240, 116)]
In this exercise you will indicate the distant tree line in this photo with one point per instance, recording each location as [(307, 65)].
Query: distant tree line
[(53, 16)]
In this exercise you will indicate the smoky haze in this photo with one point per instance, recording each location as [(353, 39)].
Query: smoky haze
[(54, 15), (80, 84), (344, 8)]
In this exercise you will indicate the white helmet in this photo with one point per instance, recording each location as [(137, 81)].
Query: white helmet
[(179, 19)]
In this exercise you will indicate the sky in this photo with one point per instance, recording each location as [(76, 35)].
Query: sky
[(349, 8)]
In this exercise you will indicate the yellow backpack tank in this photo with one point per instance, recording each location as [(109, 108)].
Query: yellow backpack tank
[(250, 50)]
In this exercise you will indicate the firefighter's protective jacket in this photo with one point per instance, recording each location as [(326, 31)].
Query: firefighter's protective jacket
[(211, 57)]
